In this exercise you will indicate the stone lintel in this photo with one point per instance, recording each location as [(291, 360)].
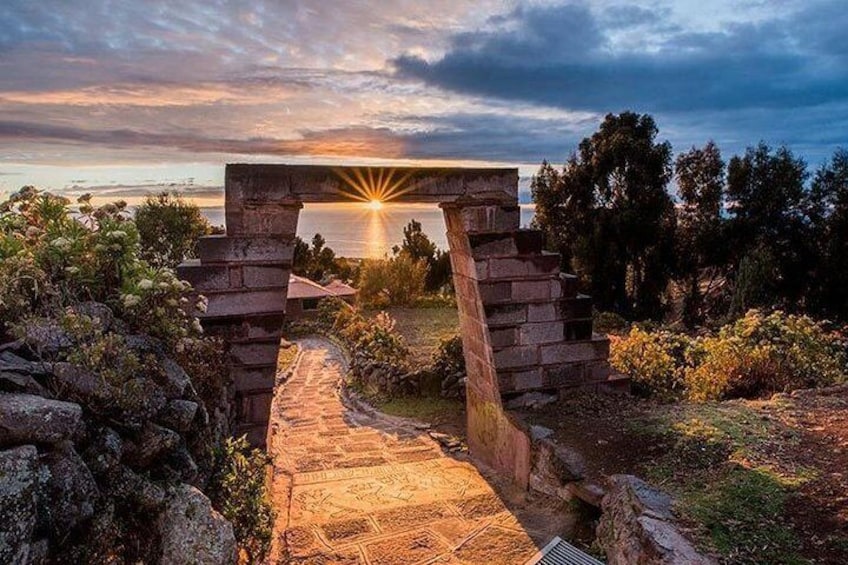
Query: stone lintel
[(247, 182)]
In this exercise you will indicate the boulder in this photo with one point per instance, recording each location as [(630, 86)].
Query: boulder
[(554, 467), (26, 418), (71, 493), (78, 384), (637, 526), (152, 443), (532, 400), (21, 382), (191, 531), (139, 400), (19, 483)]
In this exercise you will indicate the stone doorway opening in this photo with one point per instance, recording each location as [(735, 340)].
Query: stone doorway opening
[(524, 327)]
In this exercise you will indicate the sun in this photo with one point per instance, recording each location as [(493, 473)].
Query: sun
[(374, 205)]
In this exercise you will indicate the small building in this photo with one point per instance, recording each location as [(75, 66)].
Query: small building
[(304, 295)]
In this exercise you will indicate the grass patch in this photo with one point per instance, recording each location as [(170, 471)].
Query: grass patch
[(423, 329), (426, 409), (723, 463)]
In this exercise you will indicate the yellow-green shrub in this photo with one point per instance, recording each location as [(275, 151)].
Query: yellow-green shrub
[(653, 360), (761, 354)]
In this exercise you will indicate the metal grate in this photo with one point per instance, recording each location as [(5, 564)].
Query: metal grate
[(559, 552)]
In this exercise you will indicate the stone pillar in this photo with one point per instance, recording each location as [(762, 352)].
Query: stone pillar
[(524, 326), (244, 274)]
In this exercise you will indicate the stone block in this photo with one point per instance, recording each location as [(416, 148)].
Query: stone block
[(253, 378), (531, 379), (516, 356), (544, 312), (563, 376), (485, 245), (529, 241), (491, 183), (539, 333), (597, 348), (503, 337), (544, 289), (255, 352), (246, 302), (501, 314), (245, 182), (245, 249), (270, 220), (482, 218), (255, 407), (204, 277), (493, 292), (260, 276)]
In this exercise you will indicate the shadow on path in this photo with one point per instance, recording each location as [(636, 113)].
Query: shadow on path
[(352, 488)]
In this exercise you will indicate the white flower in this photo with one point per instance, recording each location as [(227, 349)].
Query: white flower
[(145, 284), (171, 302), (131, 300), (202, 304), (164, 285), (197, 327), (72, 269), (117, 234)]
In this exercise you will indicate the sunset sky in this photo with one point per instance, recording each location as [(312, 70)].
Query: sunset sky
[(124, 97)]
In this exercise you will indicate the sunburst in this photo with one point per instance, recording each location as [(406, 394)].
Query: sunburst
[(374, 186)]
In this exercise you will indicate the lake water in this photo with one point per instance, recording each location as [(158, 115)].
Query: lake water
[(353, 230)]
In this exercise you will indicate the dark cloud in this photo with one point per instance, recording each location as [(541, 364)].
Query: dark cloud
[(562, 56)]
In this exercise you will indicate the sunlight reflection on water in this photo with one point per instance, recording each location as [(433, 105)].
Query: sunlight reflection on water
[(354, 230)]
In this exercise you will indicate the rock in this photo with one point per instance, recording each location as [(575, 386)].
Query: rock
[(532, 400), (182, 462), (9, 361), (637, 526), (133, 490), (174, 381), (540, 432), (193, 532), (79, 384), (21, 382), (70, 491), (19, 482), (26, 418), (554, 467), (100, 313), (154, 442), (178, 414), (46, 337), (139, 400), (104, 452)]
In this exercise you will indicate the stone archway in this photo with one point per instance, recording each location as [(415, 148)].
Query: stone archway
[(524, 327)]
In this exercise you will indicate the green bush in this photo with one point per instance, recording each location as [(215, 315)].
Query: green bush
[(761, 354), (169, 228), (51, 258), (448, 359), (398, 281), (653, 360), (238, 490)]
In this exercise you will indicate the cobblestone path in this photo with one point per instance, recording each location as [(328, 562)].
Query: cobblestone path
[(353, 488)]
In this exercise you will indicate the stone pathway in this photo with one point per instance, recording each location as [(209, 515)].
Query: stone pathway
[(353, 488)]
